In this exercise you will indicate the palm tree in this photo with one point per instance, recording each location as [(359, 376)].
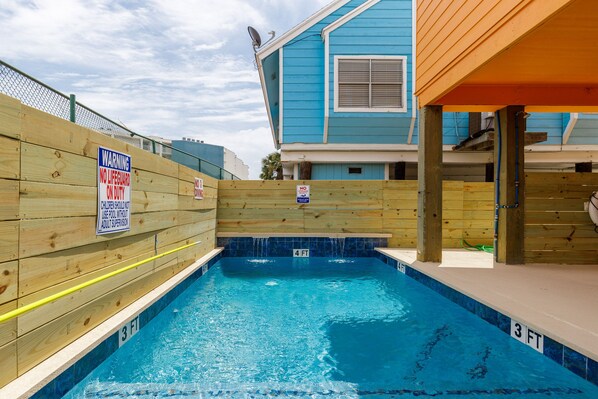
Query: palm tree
[(271, 167)]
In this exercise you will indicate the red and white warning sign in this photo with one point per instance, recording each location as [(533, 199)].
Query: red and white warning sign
[(302, 194), (114, 191), (198, 191)]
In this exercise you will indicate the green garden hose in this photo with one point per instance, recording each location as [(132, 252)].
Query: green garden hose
[(485, 248)]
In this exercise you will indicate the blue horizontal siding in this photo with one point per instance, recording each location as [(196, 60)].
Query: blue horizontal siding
[(304, 82), (272, 81), (341, 171), (385, 129), (398, 42), (551, 123), (383, 29), (585, 131), (455, 127), (305, 135)]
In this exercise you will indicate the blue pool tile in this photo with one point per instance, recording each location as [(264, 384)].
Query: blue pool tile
[(486, 313), (468, 303), (47, 392), (504, 323), (553, 350), (575, 361), (65, 382), (592, 371)]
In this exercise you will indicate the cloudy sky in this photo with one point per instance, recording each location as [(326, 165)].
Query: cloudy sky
[(170, 68)]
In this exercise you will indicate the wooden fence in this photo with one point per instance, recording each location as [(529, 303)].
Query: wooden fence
[(48, 241), (366, 207), (557, 228)]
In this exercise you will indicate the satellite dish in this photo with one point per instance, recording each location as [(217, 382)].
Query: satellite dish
[(255, 37)]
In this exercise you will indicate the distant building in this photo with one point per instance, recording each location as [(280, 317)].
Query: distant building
[(218, 156), (213, 157)]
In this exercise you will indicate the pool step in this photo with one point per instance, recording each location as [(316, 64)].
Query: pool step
[(325, 390)]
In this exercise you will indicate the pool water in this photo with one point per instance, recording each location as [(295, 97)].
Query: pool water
[(322, 328)]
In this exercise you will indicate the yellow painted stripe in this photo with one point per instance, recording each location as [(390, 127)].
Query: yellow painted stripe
[(34, 305)]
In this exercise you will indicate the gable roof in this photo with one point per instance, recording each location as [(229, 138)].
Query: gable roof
[(299, 29)]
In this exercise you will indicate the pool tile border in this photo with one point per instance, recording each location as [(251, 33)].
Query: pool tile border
[(349, 247), (566, 357), (74, 374)]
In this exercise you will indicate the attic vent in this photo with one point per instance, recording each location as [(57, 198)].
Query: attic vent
[(370, 85), (354, 171)]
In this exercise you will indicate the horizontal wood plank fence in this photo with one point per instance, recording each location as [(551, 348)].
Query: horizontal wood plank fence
[(48, 241), (557, 228), (366, 207)]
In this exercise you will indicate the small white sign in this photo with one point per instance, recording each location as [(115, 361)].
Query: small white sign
[(401, 267), (198, 189), (526, 335), (128, 330), (302, 194), (301, 253)]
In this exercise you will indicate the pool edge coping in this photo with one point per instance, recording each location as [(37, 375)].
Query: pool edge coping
[(43, 374)]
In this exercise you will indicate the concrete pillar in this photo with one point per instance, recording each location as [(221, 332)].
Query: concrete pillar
[(429, 195)]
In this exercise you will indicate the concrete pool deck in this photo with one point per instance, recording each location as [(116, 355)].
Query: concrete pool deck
[(560, 301)]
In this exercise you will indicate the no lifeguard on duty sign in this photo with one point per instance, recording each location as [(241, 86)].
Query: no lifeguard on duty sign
[(114, 191), (302, 194)]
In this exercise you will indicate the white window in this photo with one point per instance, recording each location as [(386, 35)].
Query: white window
[(370, 84)]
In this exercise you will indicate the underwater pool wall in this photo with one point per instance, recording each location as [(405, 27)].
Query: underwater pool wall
[(343, 247)]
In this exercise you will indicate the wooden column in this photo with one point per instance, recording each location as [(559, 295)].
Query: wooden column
[(489, 173), (475, 123), (397, 171), (511, 217), (429, 195), (583, 167), (305, 170)]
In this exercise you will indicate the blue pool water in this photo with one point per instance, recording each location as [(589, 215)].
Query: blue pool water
[(322, 328)]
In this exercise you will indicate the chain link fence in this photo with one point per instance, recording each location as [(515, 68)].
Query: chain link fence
[(36, 94)]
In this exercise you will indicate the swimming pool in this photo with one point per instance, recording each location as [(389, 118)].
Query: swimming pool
[(322, 328)]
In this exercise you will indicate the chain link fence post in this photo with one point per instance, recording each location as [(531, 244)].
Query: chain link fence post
[(73, 108)]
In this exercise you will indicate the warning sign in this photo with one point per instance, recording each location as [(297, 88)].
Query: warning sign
[(303, 194), (114, 191), (198, 191)]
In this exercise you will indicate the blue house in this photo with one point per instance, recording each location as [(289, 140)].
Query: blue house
[(339, 90)]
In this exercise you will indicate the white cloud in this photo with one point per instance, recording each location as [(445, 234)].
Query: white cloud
[(162, 67)]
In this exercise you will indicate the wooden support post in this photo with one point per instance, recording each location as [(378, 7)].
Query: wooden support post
[(489, 173), (397, 171), (305, 171), (512, 205), (582, 167), (429, 195), (475, 123)]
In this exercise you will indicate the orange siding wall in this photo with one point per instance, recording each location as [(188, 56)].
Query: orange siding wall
[(454, 38)]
